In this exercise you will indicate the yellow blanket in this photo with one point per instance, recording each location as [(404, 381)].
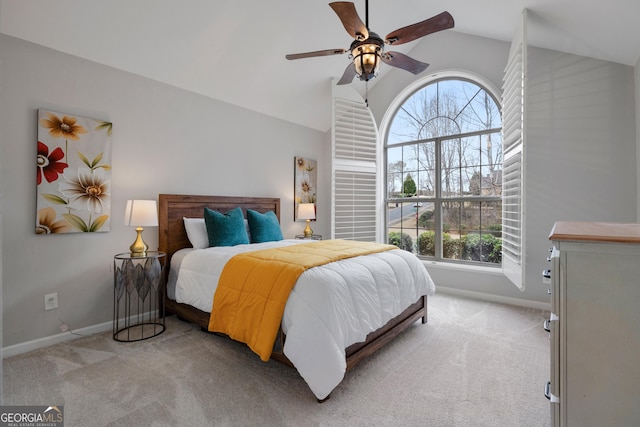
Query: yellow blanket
[(254, 286)]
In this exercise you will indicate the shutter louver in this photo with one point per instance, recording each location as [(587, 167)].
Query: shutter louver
[(512, 201), (354, 161), (513, 137)]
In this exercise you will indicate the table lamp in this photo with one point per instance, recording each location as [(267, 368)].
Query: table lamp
[(307, 211), (140, 213)]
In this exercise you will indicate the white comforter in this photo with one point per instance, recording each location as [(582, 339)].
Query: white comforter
[(331, 306)]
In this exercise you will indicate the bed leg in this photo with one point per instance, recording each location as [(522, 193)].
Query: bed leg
[(424, 318), (324, 400)]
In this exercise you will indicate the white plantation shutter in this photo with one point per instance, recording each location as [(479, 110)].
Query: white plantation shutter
[(514, 91), (354, 142)]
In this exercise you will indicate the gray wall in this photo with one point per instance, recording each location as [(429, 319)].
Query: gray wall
[(165, 140), (637, 93), (581, 153), (581, 145), (159, 129)]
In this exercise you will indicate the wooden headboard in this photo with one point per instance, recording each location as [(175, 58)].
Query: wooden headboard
[(173, 207)]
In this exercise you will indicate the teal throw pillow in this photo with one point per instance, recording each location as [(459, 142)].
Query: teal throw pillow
[(225, 229), (263, 227)]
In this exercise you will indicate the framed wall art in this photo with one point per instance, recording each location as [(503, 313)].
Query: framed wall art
[(305, 183), (73, 174)]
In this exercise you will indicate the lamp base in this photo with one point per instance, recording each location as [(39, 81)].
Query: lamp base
[(308, 232), (138, 248)]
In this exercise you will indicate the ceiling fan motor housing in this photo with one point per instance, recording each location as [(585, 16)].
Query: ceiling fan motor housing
[(366, 56)]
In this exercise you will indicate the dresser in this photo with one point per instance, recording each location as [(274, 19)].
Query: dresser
[(594, 324)]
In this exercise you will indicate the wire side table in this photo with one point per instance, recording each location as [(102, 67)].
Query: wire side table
[(138, 296)]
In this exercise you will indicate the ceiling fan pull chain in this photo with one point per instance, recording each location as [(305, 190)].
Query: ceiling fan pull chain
[(366, 93)]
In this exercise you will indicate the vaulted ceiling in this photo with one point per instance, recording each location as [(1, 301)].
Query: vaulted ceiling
[(234, 50)]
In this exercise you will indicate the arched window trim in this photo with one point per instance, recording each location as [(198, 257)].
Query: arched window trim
[(397, 103)]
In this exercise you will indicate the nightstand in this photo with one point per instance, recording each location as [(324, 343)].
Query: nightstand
[(138, 296), (312, 237)]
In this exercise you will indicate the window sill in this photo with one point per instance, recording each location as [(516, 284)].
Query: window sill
[(464, 267)]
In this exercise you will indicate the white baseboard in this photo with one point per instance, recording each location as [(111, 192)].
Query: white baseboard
[(25, 347), (71, 334), (496, 298)]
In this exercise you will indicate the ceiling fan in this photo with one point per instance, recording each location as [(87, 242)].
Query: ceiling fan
[(367, 49)]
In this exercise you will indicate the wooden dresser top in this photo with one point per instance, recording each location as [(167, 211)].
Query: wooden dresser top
[(596, 232)]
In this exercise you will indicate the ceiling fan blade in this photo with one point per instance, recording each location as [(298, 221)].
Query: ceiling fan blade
[(347, 13), (327, 52), (349, 74), (400, 60), (409, 33)]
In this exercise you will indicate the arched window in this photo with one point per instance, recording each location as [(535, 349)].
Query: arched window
[(443, 157)]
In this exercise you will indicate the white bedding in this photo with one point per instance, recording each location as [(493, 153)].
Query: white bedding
[(331, 306)]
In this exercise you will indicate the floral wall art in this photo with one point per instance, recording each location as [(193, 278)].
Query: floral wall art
[(306, 178), (73, 174)]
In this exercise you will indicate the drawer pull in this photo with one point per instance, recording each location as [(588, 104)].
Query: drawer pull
[(547, 390), (546, 277), (548, 394), (547, 326)]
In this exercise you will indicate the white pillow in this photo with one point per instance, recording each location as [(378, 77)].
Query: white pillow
[(197, 232)]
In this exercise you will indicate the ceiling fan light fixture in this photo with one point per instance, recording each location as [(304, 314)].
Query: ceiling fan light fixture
[(366, 56)]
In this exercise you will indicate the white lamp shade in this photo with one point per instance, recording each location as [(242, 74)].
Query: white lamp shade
[(141, 213), (307, 211)]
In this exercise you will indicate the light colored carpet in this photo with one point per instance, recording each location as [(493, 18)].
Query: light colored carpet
[(474, 364)]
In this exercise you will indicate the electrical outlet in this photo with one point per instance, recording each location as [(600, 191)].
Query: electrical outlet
[(50, 302)]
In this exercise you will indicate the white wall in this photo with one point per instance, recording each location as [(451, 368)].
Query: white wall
[(581, 146), (165, 140)]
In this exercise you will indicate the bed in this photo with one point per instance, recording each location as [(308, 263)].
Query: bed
[(173, 240)]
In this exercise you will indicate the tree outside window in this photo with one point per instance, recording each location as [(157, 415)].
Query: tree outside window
[(409, 186)]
